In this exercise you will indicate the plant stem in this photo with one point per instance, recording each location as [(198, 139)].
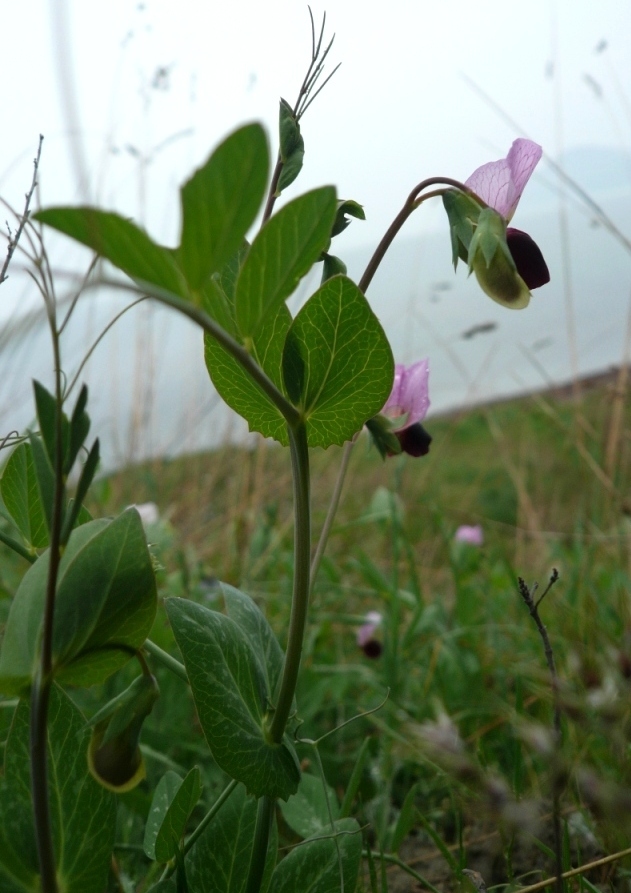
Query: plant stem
[(394, 860), (212, 812), (165, 659), (300, 598), (297, 622), (258, 856), (17, 547), (332, 511), (40, 695), (533, 607), (412, 202)]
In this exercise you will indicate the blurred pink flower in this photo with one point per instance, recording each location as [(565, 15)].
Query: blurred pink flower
[(365, 635), (407, 405), (500, 185), (466, 533)]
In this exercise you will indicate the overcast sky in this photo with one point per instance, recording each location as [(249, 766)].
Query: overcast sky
[(132, 97), (108, 83)]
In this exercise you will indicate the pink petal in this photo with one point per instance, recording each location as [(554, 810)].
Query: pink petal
[(474, 535), (367, 630), (410, 392), (500, 183)]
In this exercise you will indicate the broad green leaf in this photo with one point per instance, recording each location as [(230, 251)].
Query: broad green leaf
[(172, 805), (83, 814), (307, 812), (22, 497), (282, 253), (337, 363), (218, 306), (252, 622), (105, 606), (220, 202), (315, 865), (232, 699), (239, 390), (45, 477), (121, 242), (220, 860), (98, 588)]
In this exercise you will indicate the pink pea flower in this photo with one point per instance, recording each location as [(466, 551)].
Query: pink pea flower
[(366, 635), (500, 185), (471, 534), (408, 404)]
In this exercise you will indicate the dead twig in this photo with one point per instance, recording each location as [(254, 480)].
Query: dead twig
[(15, 238)]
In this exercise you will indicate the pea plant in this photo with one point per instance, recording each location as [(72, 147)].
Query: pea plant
[(86, 604)]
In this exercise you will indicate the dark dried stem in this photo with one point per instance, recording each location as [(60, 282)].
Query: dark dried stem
[(40, 695), (13, 240), (533, 607)]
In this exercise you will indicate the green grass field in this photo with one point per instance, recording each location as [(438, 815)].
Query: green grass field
[(462, 748), (458, 767)]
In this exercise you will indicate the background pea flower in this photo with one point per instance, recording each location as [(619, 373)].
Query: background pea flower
[(407, 405), (471, 534), (500, 185), (366, 635)]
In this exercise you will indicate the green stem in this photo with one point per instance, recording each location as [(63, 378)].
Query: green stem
[(40, 694), (165, 659), (212, 812), (332, 511), (413, 201), (300, 598), (411, 204), (17, 547), (258, 857), (394, 860), (299, 605)]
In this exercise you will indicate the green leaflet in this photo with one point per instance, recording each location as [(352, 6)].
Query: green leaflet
[(220, 202), (83, 814), (230, 689), (315, 865), (282, 253), (173, 802), (337, 363), (105, 605)]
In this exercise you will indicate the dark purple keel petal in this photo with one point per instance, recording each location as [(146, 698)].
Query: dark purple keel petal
[(528, 258), (414, 440), (372, 648)]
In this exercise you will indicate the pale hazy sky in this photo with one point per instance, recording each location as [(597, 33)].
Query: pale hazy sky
[(132, 96), (398, 110)]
